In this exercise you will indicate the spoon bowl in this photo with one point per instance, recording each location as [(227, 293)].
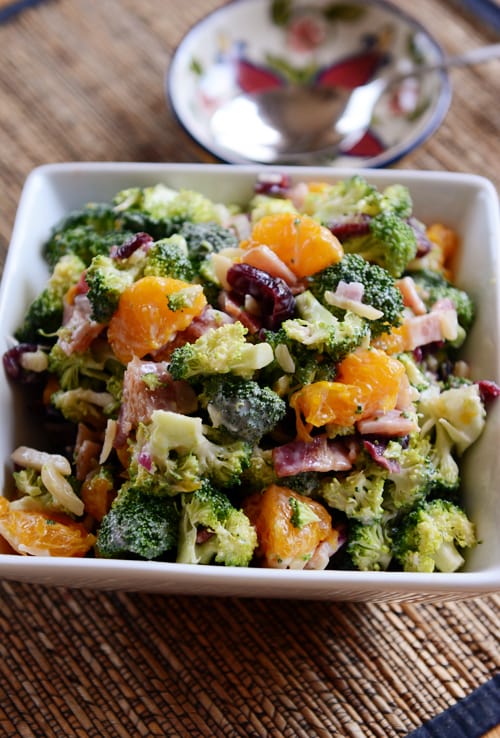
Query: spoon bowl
[(245, 49), (298, 123)]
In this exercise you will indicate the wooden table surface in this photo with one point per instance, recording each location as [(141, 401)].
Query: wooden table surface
[(83, 80)]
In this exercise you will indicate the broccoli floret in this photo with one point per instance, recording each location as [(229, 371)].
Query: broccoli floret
[(139, 525), (209, 279), (45, 314), (90, 384), (430, 537), (397, 198), (416, 373), (100, 216), (169, 258), (370, 546), (359, 494), (262, 205), (294, 364), (379, 290), (135, 221), (391, 243), (106, 282), (220, 351), (86, 232), (346, 197), (173, 474), (318, 329), (164, 208), (260, 472), (85, 243), (85, 406), (95, 369), (29, 483), (193, 206), (213, 530), (143, 209), (185, 440), (42, 318), (302, 514), (185, 298), (453, 420), (305, 483), (206, 238), (355, 196), (242, 407), (412, 477), (432, 287)]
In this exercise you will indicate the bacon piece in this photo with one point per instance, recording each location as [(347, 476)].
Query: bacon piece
[(376, 450), (411, 298), (439, 324), (208, 319), (406, 395), (81, 330), (297, 194), (88, 445), (348, 296), (391, 423), (264, 258), (325, 550), (237, 311), (350, 290), (320, 454), (140, 398)]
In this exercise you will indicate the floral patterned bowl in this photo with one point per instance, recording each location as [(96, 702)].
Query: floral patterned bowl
[(249, 46)]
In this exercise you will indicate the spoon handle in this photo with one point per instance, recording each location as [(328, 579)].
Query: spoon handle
[(474, 56), (466, 59)]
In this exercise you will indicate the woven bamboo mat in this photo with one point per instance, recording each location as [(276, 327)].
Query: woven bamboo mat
[(82, 80), (82, 663)]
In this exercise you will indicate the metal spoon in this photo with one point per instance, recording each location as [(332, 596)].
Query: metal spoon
[(298, 123)]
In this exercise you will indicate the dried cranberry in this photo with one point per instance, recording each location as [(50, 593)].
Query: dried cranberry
[(488, 390), (274, 185), (128, 247), (14, 368), (424, 244), (275, 298), (348, 226)]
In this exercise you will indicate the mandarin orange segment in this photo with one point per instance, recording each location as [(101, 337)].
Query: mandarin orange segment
[(377, 375), (280, 542), (368, 381), (97, 495), (446, 243), (43, 534), (318, 186), (144, 321), (444, 237), (321, 403), (302, 243), (394, 342)]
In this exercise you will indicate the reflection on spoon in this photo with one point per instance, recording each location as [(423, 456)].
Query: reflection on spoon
[(297, 123)]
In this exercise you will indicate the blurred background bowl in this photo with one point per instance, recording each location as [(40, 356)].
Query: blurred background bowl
[(249, 46)]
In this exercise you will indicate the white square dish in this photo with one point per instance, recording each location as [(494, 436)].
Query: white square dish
[(468, 203)]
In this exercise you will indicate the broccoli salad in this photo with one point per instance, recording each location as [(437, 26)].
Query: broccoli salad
[(278, 385)]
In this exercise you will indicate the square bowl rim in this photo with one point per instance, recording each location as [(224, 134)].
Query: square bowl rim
[(189, 579)]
